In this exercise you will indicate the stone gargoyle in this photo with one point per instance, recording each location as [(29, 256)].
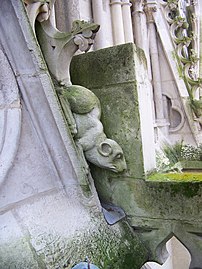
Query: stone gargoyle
[(90, 137), (80, 106)]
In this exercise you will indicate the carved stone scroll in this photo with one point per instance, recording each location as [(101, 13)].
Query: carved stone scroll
[(184, 31), (58, 48)]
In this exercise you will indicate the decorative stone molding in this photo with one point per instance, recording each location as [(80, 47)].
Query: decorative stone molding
[(115, 2), (183, 33), (149, 10), (10, 117), (58, 48), (138, 6), (126, 3)]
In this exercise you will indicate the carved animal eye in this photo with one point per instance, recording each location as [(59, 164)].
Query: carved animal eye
[(87, 33), (105, 149), (119, 156)]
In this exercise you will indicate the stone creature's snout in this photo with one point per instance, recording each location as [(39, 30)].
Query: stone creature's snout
[(109, 155)]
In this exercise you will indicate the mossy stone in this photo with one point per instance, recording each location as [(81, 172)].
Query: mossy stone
[(81, 99)]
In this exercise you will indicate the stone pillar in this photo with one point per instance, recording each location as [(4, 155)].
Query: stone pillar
[(102, 17), (127, 21), (156, 75), (137, 16), (140, 30), (200, 46), (117, 22), (66, 12)]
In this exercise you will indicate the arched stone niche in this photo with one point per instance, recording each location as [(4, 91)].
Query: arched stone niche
[(176, 256), (10, 117)]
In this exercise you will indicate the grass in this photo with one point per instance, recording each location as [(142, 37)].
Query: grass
[(176, 177)]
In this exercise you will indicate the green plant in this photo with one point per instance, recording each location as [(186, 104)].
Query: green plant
[(174, 152)]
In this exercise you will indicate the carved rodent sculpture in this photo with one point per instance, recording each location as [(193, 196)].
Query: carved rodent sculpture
[(97, 148)]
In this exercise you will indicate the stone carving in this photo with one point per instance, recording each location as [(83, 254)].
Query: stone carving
[(58, 48), (10, 117), (184, 31), (90, 137), (149, 10), (80, 106), (197, 108), (38, 10)]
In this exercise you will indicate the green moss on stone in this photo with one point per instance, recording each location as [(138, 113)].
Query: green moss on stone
[(108, 66), (17, 254), (81, 99), (112, 75), (177, 177), (188, 191), (106, 246)]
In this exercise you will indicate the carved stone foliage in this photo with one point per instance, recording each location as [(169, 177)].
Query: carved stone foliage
[(80, 106), (184, 30), (58, 48), (149, 10), (10, 117)]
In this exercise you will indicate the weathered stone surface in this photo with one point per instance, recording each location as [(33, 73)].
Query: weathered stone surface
[(113, 76), (29, 175), (57, 231), (15, 251), (155, 210), (107, 68), (51, 224), (117, 76), (47, 221), (10, 117)]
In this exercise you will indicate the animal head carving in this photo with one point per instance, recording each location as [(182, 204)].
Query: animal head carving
[(108, 154)]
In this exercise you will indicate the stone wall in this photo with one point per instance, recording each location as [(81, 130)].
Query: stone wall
[(50, 215), (156, 209)]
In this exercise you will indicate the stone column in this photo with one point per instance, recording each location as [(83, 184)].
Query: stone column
[(200, 36), (127, 21), (140, 30), (156, 75), (66, 12), (117, 22), (100, 16), (137, 16)]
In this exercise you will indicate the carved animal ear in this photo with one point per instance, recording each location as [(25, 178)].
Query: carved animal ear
[(105, 149)]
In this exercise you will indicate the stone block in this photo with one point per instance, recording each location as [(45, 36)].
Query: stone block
[(15, 251), (118, 77), (30, 173)]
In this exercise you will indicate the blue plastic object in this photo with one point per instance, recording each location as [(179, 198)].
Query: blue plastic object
[(85, 265), (112, 213)]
